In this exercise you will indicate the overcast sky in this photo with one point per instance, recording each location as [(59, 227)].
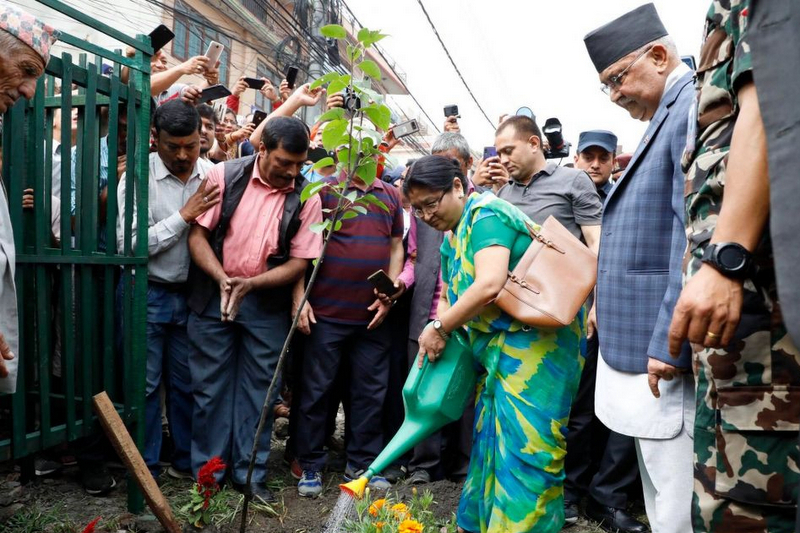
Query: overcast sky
[(514, 53)]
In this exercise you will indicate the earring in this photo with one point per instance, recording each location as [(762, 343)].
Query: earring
[(460, 196)]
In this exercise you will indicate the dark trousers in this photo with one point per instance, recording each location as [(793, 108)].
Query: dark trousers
[(446, 452), (168, 355), (599, 463), (394, 410), (364, 354), (232, 365)]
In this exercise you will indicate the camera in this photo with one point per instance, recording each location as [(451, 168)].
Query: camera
[(558, 147), (352, 102)]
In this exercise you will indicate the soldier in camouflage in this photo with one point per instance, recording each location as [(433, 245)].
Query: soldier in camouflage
[(747, 370)]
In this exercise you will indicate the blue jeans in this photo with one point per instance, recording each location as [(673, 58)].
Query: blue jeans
[(232, 364), (167, 354)]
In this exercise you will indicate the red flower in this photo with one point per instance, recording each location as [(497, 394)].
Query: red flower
[(205, 476), (92, 524)]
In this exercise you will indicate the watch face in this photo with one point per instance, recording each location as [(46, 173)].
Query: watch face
[(731, 258)]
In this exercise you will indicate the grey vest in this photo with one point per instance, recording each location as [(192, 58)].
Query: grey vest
[(426, 276), (237, 176)]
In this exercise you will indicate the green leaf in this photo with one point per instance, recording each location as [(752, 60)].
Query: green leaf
[(327, 78), (349, 214), (338, 225), (371, 38), (363, 33), (334, 31), (354, 52), (333, 114), (370, 68), (380, 115), (360, 209), (339, 84), (332, 134), (311, 189), (319, 227), (372, 199), (352, 196), (367, 170), (322, 163)]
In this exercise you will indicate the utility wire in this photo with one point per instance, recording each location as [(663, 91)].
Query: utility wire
[(446, 51)]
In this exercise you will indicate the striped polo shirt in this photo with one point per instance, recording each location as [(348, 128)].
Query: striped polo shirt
[(362, 246)]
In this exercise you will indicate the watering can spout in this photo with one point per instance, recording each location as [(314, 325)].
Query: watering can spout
[(356, 487)]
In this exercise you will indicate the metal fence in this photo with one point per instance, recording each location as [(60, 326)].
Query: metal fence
[(82, 308)]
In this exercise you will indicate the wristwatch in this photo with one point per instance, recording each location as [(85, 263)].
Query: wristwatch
[(437, 325), (731, 259)]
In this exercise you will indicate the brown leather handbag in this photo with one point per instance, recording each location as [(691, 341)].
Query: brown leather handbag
[(552, 280)]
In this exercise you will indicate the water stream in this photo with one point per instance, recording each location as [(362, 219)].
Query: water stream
[(344, 507)]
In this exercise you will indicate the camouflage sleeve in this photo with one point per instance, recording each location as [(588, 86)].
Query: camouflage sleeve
[(742, 71)]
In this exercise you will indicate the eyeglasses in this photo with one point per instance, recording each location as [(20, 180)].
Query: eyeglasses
[(616, 80), (429, 208)]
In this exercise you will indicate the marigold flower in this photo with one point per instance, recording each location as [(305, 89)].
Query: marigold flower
[(400, 510), (379, 525), (90, 527), (410, 526), (376, 506)]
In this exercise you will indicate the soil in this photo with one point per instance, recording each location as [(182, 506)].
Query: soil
[(58, 504)]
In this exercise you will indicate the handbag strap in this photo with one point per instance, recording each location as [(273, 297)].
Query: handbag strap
[(542, 239)]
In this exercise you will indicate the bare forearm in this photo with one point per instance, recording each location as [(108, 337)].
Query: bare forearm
[(747, 178), (203, 255), (282, 275), (162, 81), (397, 258), (478, 296), (591, 235)]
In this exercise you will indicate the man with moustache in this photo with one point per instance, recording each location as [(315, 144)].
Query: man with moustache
[(248, 251), (25, 43), (177, 195), (641, 390)]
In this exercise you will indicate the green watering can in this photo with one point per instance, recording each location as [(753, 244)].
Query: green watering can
[(434, 396)]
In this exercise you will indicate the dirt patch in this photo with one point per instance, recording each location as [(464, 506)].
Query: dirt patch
[(59, 504)]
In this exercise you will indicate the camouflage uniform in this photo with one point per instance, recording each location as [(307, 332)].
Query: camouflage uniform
[(747, 464)]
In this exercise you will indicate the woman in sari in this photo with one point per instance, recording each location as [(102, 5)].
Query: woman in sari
[(528, 376)]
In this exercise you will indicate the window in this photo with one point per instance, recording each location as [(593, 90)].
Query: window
[(263, 71), (193, 34)]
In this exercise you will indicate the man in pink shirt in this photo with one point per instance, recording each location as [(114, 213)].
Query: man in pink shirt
[(247, 253)]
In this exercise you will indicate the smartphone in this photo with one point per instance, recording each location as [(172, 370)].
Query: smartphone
[(318, 154), (405, 129), (258, 117), (160, 36), (381, 281), (690, 62), (254, 83), (451, 111), (291, 76), (489, 151), (215, 92), (213, 52)]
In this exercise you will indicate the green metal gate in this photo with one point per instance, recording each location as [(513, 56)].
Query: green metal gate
[(82, 309)]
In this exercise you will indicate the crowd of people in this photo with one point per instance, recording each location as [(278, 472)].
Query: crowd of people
[(677, 380)]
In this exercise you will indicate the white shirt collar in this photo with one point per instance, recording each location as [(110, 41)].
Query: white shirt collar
[(676, 74)]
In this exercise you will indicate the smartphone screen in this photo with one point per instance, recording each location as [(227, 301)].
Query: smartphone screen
[(489, 151), (160, 36), (381, 281), (254, 83), (291, 76)]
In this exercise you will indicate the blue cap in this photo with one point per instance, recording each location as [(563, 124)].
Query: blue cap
[(392, 175), (602, 138)]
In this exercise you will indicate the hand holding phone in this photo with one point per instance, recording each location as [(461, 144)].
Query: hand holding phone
[(254, 83), (451, 111), (383, 283), (214, 92), (489, 151), (291, 76), (258, 117), (404, 129), (213, 53), (159, 37)]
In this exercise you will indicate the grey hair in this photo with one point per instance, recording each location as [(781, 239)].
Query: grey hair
[(450, 140), (665, 41)]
